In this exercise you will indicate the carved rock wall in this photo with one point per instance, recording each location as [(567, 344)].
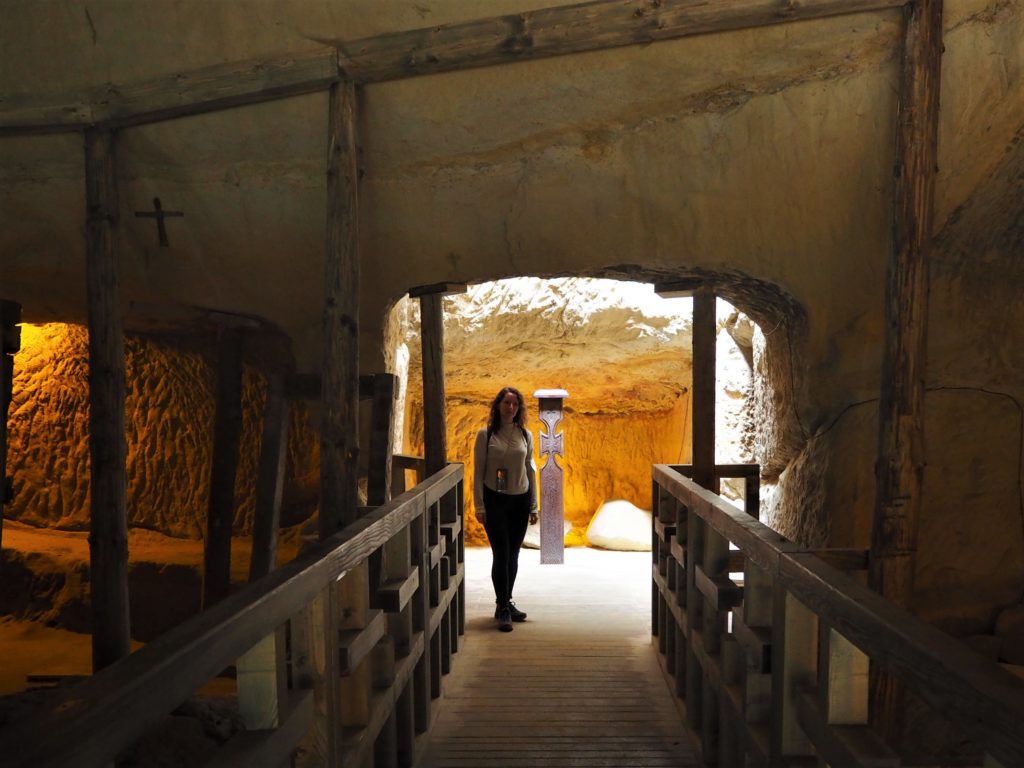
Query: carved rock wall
[(169, 433)]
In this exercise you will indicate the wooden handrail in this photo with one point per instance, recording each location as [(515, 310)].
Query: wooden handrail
[(977, 694), (103, 714)]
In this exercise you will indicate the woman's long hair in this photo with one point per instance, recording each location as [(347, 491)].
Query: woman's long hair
[(494, 420)]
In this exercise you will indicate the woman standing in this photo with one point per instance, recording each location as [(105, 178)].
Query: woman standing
[(505, 492)]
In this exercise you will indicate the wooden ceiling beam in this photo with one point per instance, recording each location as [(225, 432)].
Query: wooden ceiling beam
[(569, 29), (181, 94), (558, 31)]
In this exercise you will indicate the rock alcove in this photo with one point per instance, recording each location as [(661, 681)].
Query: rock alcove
[(622, 352)]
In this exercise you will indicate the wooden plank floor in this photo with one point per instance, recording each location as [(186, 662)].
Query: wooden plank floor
[(577, 684)]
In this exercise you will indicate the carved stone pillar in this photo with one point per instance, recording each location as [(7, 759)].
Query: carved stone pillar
[(552, 532)]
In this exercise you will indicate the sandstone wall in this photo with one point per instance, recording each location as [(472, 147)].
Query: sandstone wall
[(168, 418)]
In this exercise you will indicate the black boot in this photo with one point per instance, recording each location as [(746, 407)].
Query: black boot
[(504, 619)]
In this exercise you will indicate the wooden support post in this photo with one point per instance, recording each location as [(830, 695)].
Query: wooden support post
[(432, 335), (382, 416), (694, 605), (270, 480), (420, 604), (10, 342), (901, 449), (703, 399), (397, 564), (794, 667), (339, 429), (354, 604), (227, 436), (846, 673), (108, 532), (315, 666), (754, 629)]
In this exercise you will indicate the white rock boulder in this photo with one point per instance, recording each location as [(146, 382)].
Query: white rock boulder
[(532, 540), (620, 525)]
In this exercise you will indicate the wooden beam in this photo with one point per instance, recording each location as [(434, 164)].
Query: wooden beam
[(10, 342), (270, 479), (108, 517), (901, 448), (339, 429), (570, 29), (703, 399), (382, 416), (227, 437), (497, 40), (217, 87), (435, 437), (441, 289), (683, 288)]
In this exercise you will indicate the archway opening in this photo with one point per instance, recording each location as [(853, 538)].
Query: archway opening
[(623, 353)]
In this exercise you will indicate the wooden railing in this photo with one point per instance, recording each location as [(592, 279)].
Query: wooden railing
[(342, 651), (772, 667)]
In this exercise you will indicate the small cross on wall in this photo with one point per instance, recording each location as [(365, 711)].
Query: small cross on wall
[(159, 214)]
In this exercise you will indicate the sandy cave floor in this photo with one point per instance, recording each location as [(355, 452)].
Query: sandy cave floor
[(35, 647)]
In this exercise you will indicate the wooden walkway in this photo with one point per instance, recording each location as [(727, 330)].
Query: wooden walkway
[(578, 684)]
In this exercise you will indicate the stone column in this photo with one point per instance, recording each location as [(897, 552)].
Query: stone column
[(552, 532)]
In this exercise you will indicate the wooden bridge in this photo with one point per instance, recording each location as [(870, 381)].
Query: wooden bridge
[(340, 656)]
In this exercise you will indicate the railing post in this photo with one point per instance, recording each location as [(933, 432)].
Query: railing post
[(713, 564), (353, 611), (794, 667), (421, 621), (396, 565), (694, 605), (315, 666), (756, 620), (262, 683)]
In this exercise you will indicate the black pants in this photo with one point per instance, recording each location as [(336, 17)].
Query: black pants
[(507, 518)]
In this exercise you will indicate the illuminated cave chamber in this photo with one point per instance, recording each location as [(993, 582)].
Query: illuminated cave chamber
[(169, 412), (622, 352)]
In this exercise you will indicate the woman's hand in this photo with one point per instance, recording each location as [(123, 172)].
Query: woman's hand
[(533, 517), (481, 516)]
